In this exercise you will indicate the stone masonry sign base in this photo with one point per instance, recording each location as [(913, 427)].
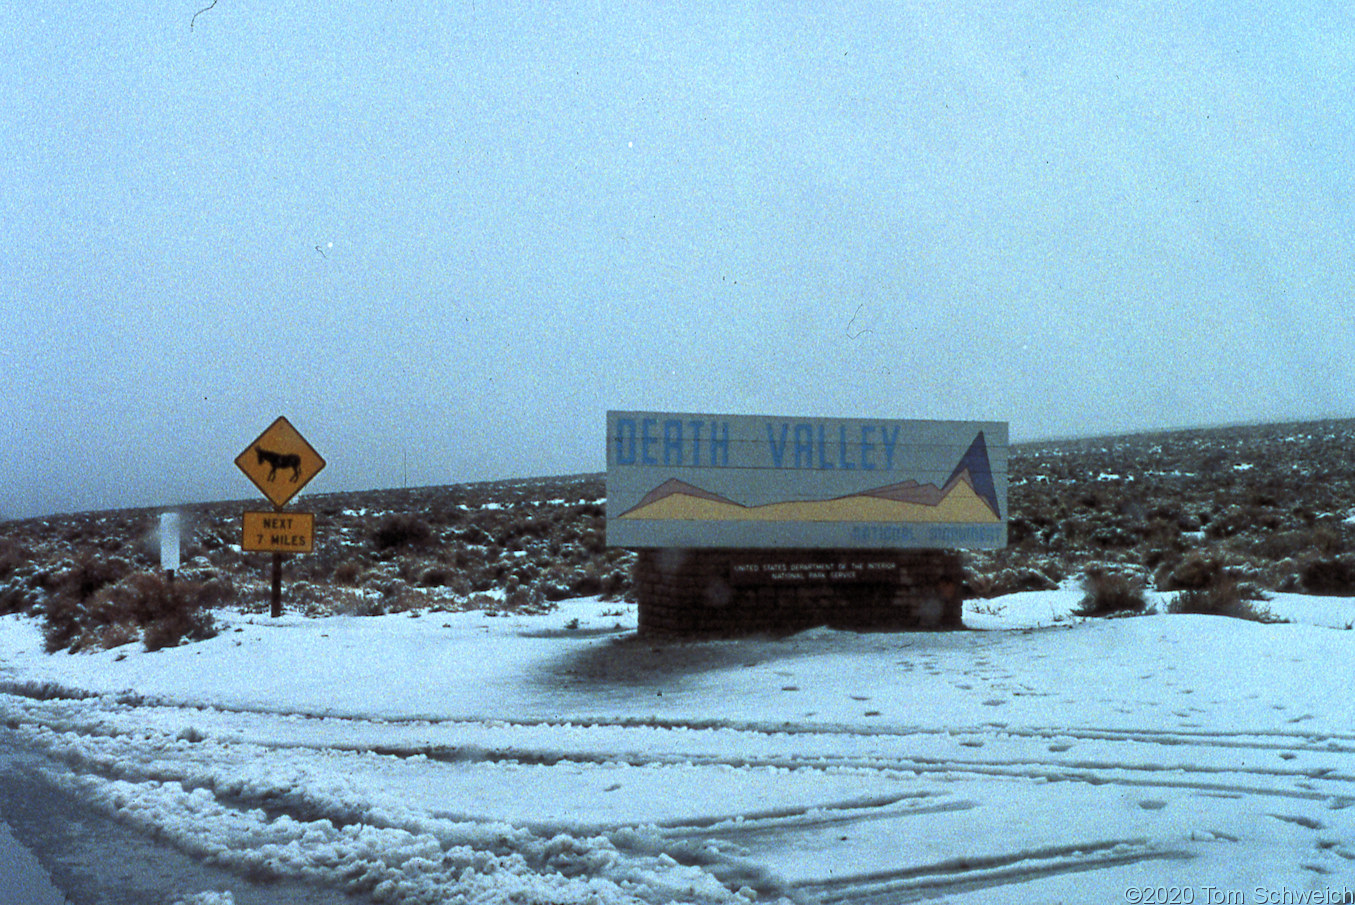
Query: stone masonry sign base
[(729, 592)]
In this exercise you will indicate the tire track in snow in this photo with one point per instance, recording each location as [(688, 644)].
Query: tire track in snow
[(79, 726), (970, 874), (748, 824), (1178, 774), (406, 857), (1260, 739)]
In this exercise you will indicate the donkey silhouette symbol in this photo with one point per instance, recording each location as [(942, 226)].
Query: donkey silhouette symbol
[(279, 460)]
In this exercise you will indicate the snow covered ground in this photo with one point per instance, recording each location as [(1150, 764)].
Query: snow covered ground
[(476, 758)]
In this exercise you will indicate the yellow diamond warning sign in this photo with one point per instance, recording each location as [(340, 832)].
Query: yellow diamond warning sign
[(280, 462)]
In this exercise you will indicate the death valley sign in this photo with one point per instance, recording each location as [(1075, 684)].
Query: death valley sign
[(754, 481)]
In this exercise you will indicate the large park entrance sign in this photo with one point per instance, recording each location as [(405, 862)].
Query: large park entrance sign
[(676, 480), (753, 523)]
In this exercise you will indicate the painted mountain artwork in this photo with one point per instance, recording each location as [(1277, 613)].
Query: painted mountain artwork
[(967, 497)]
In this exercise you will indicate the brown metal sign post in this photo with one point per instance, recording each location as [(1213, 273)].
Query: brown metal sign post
[(279, 462), (275, 609)]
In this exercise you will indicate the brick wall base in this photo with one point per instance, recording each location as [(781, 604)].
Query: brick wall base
[(720, 593)]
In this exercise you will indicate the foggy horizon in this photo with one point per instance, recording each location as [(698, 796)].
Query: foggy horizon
[(249, 496), (443, 243)]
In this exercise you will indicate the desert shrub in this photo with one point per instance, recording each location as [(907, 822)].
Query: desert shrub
[(495, 524), (553, 590), (18, 597), (1335, 575), (979, 584), (401, 530), (87, 575), (1194, 572), (396, 597), (474, 535), (526, 599), (458, 584), (78, 531), (1007, 580), (445, 514), (1224, 597), (531, 526), (1154, 556), (347, 572), (1020, 530), (300, 596), (527, 571), (615, 584), (1114, 536), (594, 540), (1326, 540), (1229, 522), (1075, 529), (481, 577), (69, 586), (1109, 593), (1279, 545), (63, 625), (1025, 578), (145, 605), (1239, 520), (436, 577), (586, 582), (353, 602), (12, 555)]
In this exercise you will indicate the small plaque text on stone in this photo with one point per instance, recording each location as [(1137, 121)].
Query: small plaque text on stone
[(848, 570)]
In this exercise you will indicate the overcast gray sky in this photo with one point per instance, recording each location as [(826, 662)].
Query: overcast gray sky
[(454, 235)]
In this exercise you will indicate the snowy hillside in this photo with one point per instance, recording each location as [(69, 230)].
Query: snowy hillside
[(1272, 506)]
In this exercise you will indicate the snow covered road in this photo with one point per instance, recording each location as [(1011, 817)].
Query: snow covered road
[(558, 758)]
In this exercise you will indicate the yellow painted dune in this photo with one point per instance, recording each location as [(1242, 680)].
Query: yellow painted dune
[(962, 504)]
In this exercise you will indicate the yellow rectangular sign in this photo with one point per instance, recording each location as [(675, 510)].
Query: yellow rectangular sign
[(278, 532)]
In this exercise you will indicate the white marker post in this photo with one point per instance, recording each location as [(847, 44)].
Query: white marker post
[(169, 543)]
